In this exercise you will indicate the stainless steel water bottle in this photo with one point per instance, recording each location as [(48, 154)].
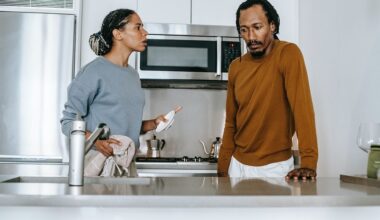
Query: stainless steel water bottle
[(77, 148)]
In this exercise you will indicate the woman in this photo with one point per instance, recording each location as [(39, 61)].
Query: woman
[(108, 90)]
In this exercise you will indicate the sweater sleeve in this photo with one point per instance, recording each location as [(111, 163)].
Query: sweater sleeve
[(228, 143), (80, 97), (299, 97)]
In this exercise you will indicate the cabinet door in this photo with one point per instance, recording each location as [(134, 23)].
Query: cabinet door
[(214, 12), (93, 14), (165, 11)]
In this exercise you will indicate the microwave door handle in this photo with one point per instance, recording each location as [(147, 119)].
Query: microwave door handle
[(218, 57)]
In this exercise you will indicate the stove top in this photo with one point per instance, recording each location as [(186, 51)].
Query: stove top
[(176, 159)]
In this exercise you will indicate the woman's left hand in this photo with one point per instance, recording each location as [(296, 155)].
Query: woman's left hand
[(158, 119), (153, 123)]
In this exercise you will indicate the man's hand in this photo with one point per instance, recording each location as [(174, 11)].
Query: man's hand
[(222, 174), (103, 146), (302, 173)]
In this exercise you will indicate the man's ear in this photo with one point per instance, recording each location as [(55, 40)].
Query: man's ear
[(116, 34), (272, 27)]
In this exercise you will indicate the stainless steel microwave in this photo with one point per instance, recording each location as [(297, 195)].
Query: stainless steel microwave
[(188, 52)]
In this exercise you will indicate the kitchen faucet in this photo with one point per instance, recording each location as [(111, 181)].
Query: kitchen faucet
[(79, 146)]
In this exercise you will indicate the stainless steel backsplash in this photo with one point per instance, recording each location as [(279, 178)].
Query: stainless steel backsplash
[(202, 118)]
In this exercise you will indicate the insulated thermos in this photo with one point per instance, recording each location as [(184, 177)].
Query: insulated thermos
[(77, 148), (373, 169)]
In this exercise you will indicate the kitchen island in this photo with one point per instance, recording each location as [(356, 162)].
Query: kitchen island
[(189, 197)]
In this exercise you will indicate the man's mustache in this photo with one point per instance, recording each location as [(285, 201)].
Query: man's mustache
[(254, 43)]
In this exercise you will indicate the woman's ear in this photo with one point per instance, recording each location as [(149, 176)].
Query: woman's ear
[(116, 34)]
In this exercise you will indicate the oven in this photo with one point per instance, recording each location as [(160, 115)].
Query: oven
[(188, 52), (176, 166)]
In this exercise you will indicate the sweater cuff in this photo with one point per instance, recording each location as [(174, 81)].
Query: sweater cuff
[(223, 165), (308, 162)]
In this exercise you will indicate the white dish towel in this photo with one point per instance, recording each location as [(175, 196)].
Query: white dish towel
[(97, 164)]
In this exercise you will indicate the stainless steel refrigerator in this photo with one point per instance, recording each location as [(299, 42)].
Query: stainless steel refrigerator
[(36, 66)]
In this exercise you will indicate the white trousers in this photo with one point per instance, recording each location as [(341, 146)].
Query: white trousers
[(278, 169)]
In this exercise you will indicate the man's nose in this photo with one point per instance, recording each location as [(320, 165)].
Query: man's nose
[(251, 34)]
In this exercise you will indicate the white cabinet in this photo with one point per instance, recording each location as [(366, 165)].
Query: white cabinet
[(165, 11), (214, 12), (93, 14)]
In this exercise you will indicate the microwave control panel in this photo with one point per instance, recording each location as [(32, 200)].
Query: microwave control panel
[(230, 50)]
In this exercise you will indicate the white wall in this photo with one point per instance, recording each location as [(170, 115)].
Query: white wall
[(340, 42), (288, 12), (94, 12)]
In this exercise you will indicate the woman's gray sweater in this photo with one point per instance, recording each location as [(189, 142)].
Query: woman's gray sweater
[(103, 92)]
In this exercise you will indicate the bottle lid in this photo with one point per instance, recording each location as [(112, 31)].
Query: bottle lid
[(78, 117), (375, 146)]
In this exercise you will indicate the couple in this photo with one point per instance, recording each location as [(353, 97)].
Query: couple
[(268, 96)]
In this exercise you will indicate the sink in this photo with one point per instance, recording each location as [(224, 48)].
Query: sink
[(87, 180)]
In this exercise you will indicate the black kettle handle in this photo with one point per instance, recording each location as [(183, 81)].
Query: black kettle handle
[(163, 145)]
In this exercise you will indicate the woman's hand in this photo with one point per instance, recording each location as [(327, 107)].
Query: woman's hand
[(158, 119), (103, 146), (153, 123), (161, 118)]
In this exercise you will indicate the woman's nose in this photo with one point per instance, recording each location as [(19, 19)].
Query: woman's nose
[(145, 33)]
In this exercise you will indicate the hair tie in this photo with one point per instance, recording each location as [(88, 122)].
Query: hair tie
[(102, 39), (98, 44)]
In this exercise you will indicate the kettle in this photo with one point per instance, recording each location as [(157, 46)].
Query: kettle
[(214, 149), (155, 146)]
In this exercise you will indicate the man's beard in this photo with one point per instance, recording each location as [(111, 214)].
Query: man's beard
[(255, 54)]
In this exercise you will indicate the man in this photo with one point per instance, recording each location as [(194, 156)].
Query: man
[(268, 100)]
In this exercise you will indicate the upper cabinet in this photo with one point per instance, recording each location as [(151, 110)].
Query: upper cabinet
[(165, 11), (214, 12), (207, 12)]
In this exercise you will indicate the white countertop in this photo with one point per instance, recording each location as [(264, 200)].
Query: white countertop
[(175, 192)]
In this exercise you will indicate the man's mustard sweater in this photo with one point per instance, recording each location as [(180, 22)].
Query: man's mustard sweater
[(268, 100)]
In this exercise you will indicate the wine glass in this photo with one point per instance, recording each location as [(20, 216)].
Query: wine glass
[(368, 135)]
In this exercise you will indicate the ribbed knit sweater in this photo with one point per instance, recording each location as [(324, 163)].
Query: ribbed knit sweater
[(268, 100)]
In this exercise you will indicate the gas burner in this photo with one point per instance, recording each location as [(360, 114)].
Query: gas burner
[(197, 159), (184, 159), (157, 159)]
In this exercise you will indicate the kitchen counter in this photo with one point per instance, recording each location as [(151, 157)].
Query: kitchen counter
[(186, 192), (185, 198)]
